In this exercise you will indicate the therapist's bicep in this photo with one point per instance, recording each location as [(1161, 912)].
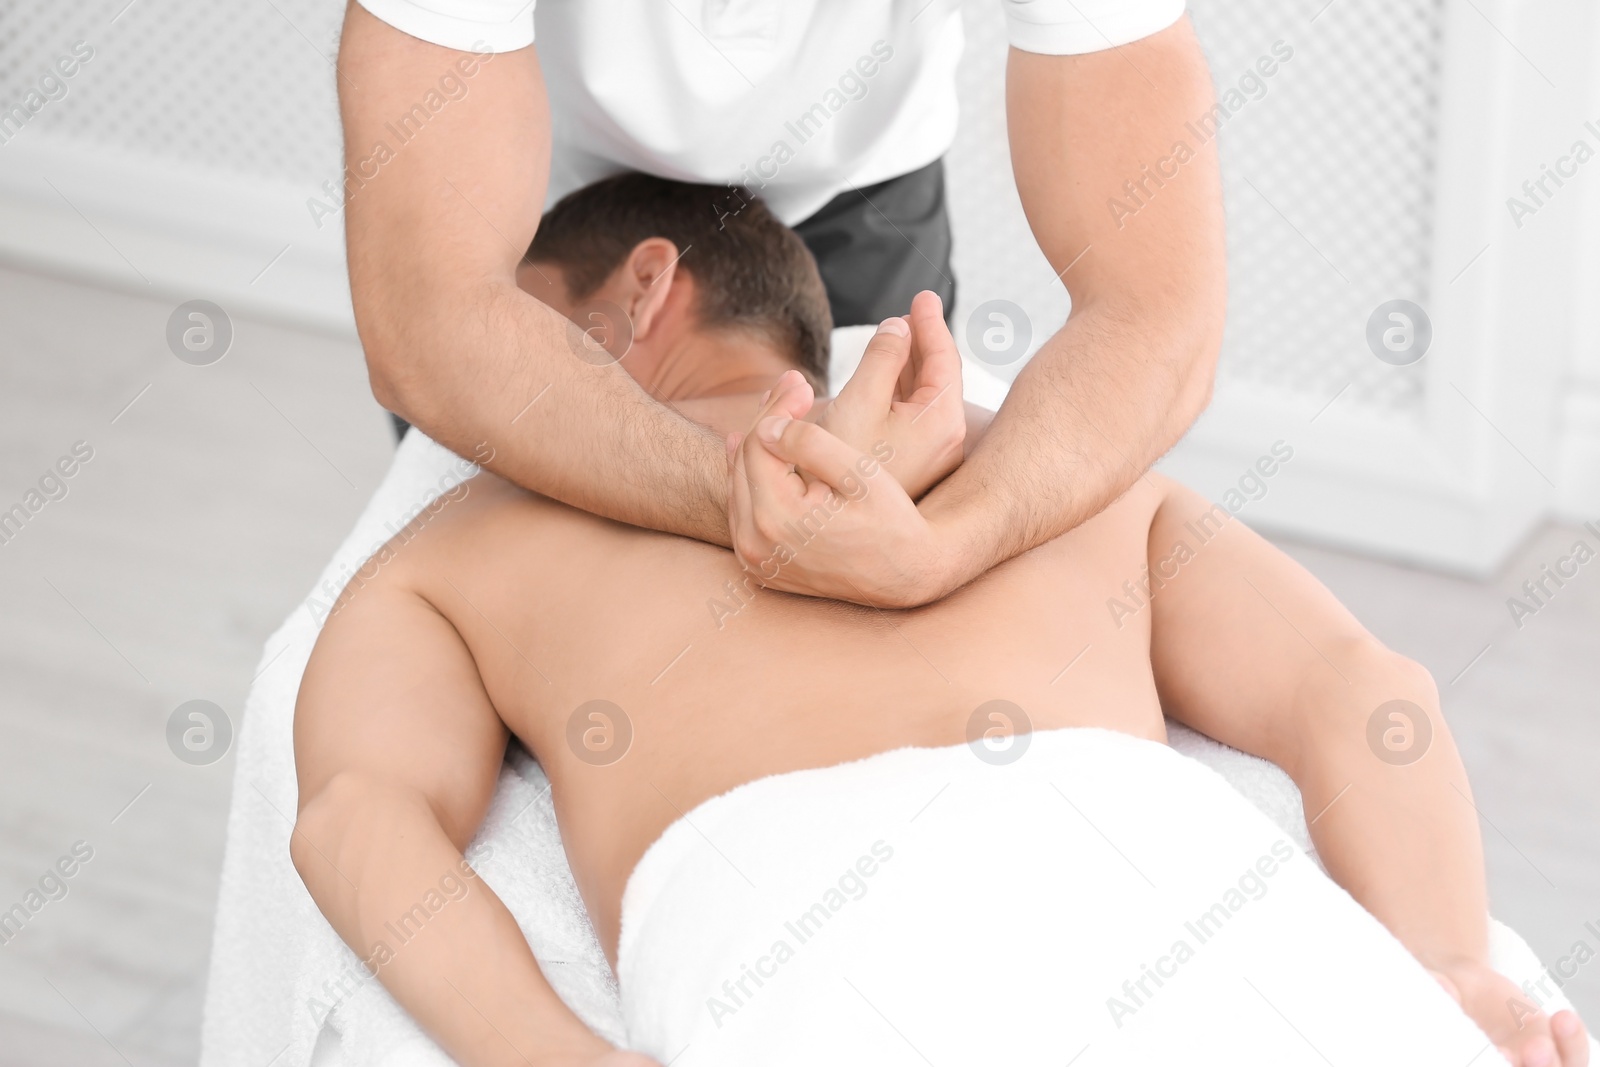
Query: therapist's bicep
[(1122, 194), (448, 157)]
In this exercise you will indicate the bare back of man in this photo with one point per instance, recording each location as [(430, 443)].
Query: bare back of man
[(721, 681), (648, 675)]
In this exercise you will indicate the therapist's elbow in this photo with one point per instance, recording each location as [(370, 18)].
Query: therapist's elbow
[(1198, 342), (386, 381), (1199, 384), (418, 343), (399, 383), (1176, 335)]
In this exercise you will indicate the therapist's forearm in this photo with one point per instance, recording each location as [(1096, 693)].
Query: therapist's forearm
[(1122, 381), (1101, 401), (493, 374)]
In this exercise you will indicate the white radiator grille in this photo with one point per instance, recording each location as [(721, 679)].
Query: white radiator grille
[(1341, 142), (244, 86), (1329, 185)]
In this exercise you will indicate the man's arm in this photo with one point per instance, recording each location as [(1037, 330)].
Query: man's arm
[(397, 753), (1115, 388), (1249, 648), (1131, 369), (436, 225)]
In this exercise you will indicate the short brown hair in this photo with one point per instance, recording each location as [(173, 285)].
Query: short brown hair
[(754, 272)]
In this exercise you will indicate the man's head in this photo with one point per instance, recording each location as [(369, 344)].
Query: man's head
[(701, 272)]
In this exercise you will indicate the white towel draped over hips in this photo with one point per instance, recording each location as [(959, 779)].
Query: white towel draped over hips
[(1101, 896)]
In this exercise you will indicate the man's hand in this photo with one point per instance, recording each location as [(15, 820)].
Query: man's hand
[(906, 392), (845, 529), (1525, 1036)]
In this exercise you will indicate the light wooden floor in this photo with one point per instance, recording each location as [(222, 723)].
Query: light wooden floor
[(213, 500)]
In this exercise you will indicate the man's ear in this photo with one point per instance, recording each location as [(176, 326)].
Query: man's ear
[(647, 279)]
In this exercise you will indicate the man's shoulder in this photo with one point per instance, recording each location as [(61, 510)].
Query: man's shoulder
[(486, 501), (466, 517)]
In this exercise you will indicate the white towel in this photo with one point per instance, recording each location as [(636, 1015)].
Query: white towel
[(274, 959), (1101, 899)]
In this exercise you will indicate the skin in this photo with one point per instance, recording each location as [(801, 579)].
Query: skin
[(435, 236), (1117, 386), (467, 633)]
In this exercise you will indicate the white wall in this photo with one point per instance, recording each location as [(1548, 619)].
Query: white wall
[(1579, 463), (180, 155)]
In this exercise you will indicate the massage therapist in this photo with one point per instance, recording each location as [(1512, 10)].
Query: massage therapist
[(838, 114)]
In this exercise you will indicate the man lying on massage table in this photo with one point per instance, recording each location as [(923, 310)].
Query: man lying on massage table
[(1083, 890)]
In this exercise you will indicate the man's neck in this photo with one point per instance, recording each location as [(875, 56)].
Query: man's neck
[(702, 366), (725, 413)]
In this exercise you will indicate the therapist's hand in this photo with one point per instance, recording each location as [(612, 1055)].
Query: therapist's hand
[(905, 399), (845, 529)]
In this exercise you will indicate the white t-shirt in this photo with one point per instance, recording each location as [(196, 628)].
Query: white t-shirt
[(797, 99)]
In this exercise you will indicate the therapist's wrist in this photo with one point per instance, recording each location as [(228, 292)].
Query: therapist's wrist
[(710, 499), (962, 548), (680, 487), (981, 518)]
